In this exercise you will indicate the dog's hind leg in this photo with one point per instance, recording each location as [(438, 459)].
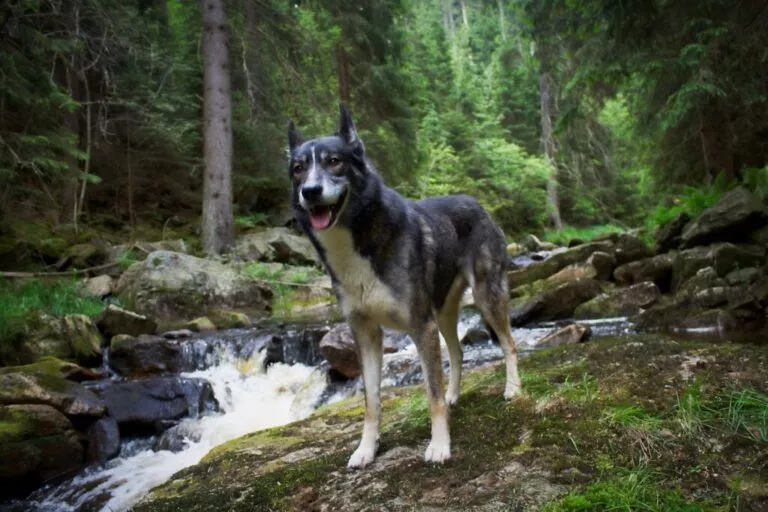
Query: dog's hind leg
[(428, 345), (489, 287), (447, 320), (368, 337)]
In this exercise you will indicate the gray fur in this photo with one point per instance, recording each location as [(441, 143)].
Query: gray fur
[(402, 264)]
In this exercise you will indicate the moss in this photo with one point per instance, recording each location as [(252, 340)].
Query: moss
[(45, 365), (14, 425)]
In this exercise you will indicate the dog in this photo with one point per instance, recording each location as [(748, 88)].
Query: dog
[(400, 264)]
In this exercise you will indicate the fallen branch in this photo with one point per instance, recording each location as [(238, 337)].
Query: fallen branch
[(59, 274)]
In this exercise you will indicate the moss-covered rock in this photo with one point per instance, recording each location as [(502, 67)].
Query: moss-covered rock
[(594, 414), (230, 319), (55, 367), (201, 324), (69, 337), (27, 385)]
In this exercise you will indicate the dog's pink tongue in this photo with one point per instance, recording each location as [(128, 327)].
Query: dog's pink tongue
[(321, 218)]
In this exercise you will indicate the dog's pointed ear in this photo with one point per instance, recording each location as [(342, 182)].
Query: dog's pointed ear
[(347, 129), (294, 138)]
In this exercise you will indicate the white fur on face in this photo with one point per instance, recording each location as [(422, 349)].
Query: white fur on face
[(317, 177)]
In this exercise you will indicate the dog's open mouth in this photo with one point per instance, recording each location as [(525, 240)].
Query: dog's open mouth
[(323, 216)]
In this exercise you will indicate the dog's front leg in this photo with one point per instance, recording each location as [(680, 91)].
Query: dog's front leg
[(428, 345), (368, 337)]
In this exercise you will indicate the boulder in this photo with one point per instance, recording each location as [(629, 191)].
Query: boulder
[(723, 257), (657, 269), (568, 335), (629, 248), (568, 274), (514, 249), (98, 287), (69, 337), (37, 444), (138, 251), (202, 324), (543, 269), (115, 320), (68, 397), (144, 356), (84, 256), (743, 276), (532, 243), (474, 335), (52, 366), (703, 279), (171, 287), (278, 244), (620, 302), (556, 303), (710, 298), (666, 314), (603, 263), (669, 236), (339, 349), (157, 403), (732, 219), (228, 319), (103, 440)]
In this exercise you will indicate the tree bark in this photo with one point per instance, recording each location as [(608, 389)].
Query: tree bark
[(343, 70), (502, 25), (253, 65), (218, 223), (464, 13), (548, 144)]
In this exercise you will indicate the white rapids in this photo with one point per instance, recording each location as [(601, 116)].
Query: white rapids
[(250, 398)]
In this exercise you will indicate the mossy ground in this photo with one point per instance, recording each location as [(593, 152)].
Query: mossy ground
[(646, 424)]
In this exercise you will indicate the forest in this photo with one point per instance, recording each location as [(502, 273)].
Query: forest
[(552, 113)]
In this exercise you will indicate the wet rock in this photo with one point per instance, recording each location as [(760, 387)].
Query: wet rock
[(157, 403), (568, 335), (103, 440), (544, 269), (657, 269), (29, 387), (732, 219), (556, 303), (98, 287), (202, 324), (69, 337), (56, 367), (338, 347), (296, 346), (115, 320), (620, 302), (178, 437), (669, 236), (170, 287), (37, 443), (278, 244), (475, 335), (144, 356), (177, 334), (723, 257), (630, 248)]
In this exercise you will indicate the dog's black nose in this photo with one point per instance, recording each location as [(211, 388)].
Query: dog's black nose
[(312, 192)]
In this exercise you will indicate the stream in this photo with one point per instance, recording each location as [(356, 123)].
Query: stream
[(253, 393)]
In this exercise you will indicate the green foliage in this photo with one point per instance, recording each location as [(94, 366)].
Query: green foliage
[(568, 233), (692, 200), (635, 489)]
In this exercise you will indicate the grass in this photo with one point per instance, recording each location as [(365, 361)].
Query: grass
[(625, 490), (58, 298), (283, 280), (568, 233)]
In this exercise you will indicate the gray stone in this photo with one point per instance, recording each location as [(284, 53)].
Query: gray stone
[(629, 248), (620, 302), (65, 396), (723, 257), (556, 303), (657, 269), (278, 244), (98, 287), (732, 219), (669, 236), (568, 335), (115, 320), (103, 440), (555, 263)]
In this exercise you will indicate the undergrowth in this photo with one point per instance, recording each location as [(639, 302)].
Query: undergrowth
[(568, 233)]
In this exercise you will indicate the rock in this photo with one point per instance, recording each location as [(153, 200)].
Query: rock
[(296, 346), (144, 356), (603, 263), (85, 255), (620, 302), (99, 287), (759, 236), (278, 244), (532, 243), (723, 257), (544, 269), (170, 286), (568, 335), (574, 242), (547, 246), (743, 276), (226, 319), (178, 437), (69, 337), (667, 314), (475, 335), (155, 404), (339, 349), (138, 251), (669, 236), (732, 219), (570, 273), (52, 366), (115, 320), (67, 397), (514, 249), (703, 279), (177, 334), (103, 440), (657, 269), (202, 324), (630, 248), (37, 444), (555, 303)]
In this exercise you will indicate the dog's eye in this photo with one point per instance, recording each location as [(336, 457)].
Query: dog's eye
[(333, 161), (298, 167)]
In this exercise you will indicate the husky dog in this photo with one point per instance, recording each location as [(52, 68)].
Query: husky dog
[(399, 264)]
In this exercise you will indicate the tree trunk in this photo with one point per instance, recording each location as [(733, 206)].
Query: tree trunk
[(548, 144), (253, 65), (464, 13), (502, 27), (218, 223), (343, 70)]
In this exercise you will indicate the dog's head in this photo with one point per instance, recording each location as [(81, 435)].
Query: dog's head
[(324, 171)]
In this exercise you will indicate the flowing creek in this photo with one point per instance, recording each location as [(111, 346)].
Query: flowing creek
[(251, 396)]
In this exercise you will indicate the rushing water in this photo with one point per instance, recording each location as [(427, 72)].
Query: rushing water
[(251, 398)]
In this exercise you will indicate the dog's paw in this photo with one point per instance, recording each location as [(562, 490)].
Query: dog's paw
[(513, 391), (437, 452), (362, 457), (451, 398)]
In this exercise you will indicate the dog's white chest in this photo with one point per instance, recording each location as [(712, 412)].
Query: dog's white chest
[(361, 289)]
